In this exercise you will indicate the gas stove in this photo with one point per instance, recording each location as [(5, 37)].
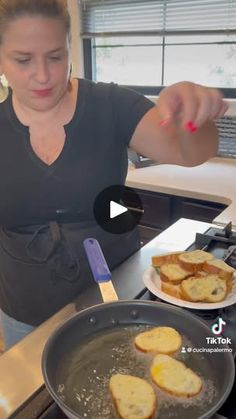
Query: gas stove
[(222, 244)]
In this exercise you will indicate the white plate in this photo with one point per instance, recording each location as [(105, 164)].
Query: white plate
[(152, 281)]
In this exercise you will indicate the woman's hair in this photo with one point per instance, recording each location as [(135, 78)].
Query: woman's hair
[(12, 9)]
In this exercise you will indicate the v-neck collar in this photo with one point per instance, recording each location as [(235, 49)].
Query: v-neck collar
[(69, 127)]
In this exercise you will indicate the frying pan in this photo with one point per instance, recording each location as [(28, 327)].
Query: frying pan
[(82, 354)]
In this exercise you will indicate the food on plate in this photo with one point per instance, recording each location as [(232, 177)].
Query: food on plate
[(194, 276), (194, 261), (164, 340), (174, 377), (219, 267), (209, 288), (134, 397), (159, 260), (172, 289), (174, 273)]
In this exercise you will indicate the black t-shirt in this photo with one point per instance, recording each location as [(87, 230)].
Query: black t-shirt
[(39, 200)]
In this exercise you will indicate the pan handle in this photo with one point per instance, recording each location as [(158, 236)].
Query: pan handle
[(100, 270)]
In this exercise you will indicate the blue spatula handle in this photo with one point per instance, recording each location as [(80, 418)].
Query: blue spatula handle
[(97, 261)]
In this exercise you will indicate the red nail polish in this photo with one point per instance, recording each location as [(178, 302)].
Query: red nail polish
[(191, 127), (194, 128), (164, 122)]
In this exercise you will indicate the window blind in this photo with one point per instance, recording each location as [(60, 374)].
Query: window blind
[(117, 17), (227, 136)]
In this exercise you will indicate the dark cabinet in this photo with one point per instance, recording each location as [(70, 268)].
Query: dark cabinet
[(195, 209), (157, 210), (162, 210)]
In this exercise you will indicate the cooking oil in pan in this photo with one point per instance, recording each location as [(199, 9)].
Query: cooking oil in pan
[(83, 377)]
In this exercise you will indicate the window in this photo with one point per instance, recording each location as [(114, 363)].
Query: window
[(148, 44), (159, 42), (128, 61), (205, 59)]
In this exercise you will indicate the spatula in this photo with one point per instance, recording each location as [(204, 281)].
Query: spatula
[(100, 270)]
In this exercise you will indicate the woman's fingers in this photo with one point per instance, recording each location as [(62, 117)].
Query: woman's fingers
[(223, 108), (169, 105), (209, 102), (191, 104)]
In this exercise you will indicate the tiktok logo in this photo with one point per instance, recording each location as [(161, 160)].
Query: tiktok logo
[(217, 328)]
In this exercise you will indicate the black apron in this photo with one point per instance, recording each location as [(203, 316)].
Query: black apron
[(44, 267)]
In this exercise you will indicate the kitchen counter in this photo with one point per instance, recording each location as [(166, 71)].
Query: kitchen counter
[(20, 367), (212, 181)]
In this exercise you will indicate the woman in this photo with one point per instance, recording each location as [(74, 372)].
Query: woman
[(62, 142)]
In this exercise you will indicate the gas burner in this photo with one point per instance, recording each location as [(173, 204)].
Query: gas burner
[(230, 256), (203, 241), (226, 231), (231, 251), (207, 315)]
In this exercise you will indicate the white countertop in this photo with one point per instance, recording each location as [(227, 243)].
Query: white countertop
[(213, 181)]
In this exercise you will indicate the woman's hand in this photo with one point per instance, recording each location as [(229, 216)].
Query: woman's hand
[(181, 129), (191, 104)]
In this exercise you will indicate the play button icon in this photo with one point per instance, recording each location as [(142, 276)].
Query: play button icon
[(118, 209)]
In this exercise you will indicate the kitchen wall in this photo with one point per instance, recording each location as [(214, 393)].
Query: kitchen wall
[(77, 48)]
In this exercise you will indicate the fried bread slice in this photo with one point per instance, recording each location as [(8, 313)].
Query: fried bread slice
[(165, 340), (208, 288), (172, 289), (194, 261), (174, 377), (173, 272), (159, 260), (134, 397), (219, 267)]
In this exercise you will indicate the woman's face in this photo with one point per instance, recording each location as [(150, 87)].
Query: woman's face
[(34, 56)]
